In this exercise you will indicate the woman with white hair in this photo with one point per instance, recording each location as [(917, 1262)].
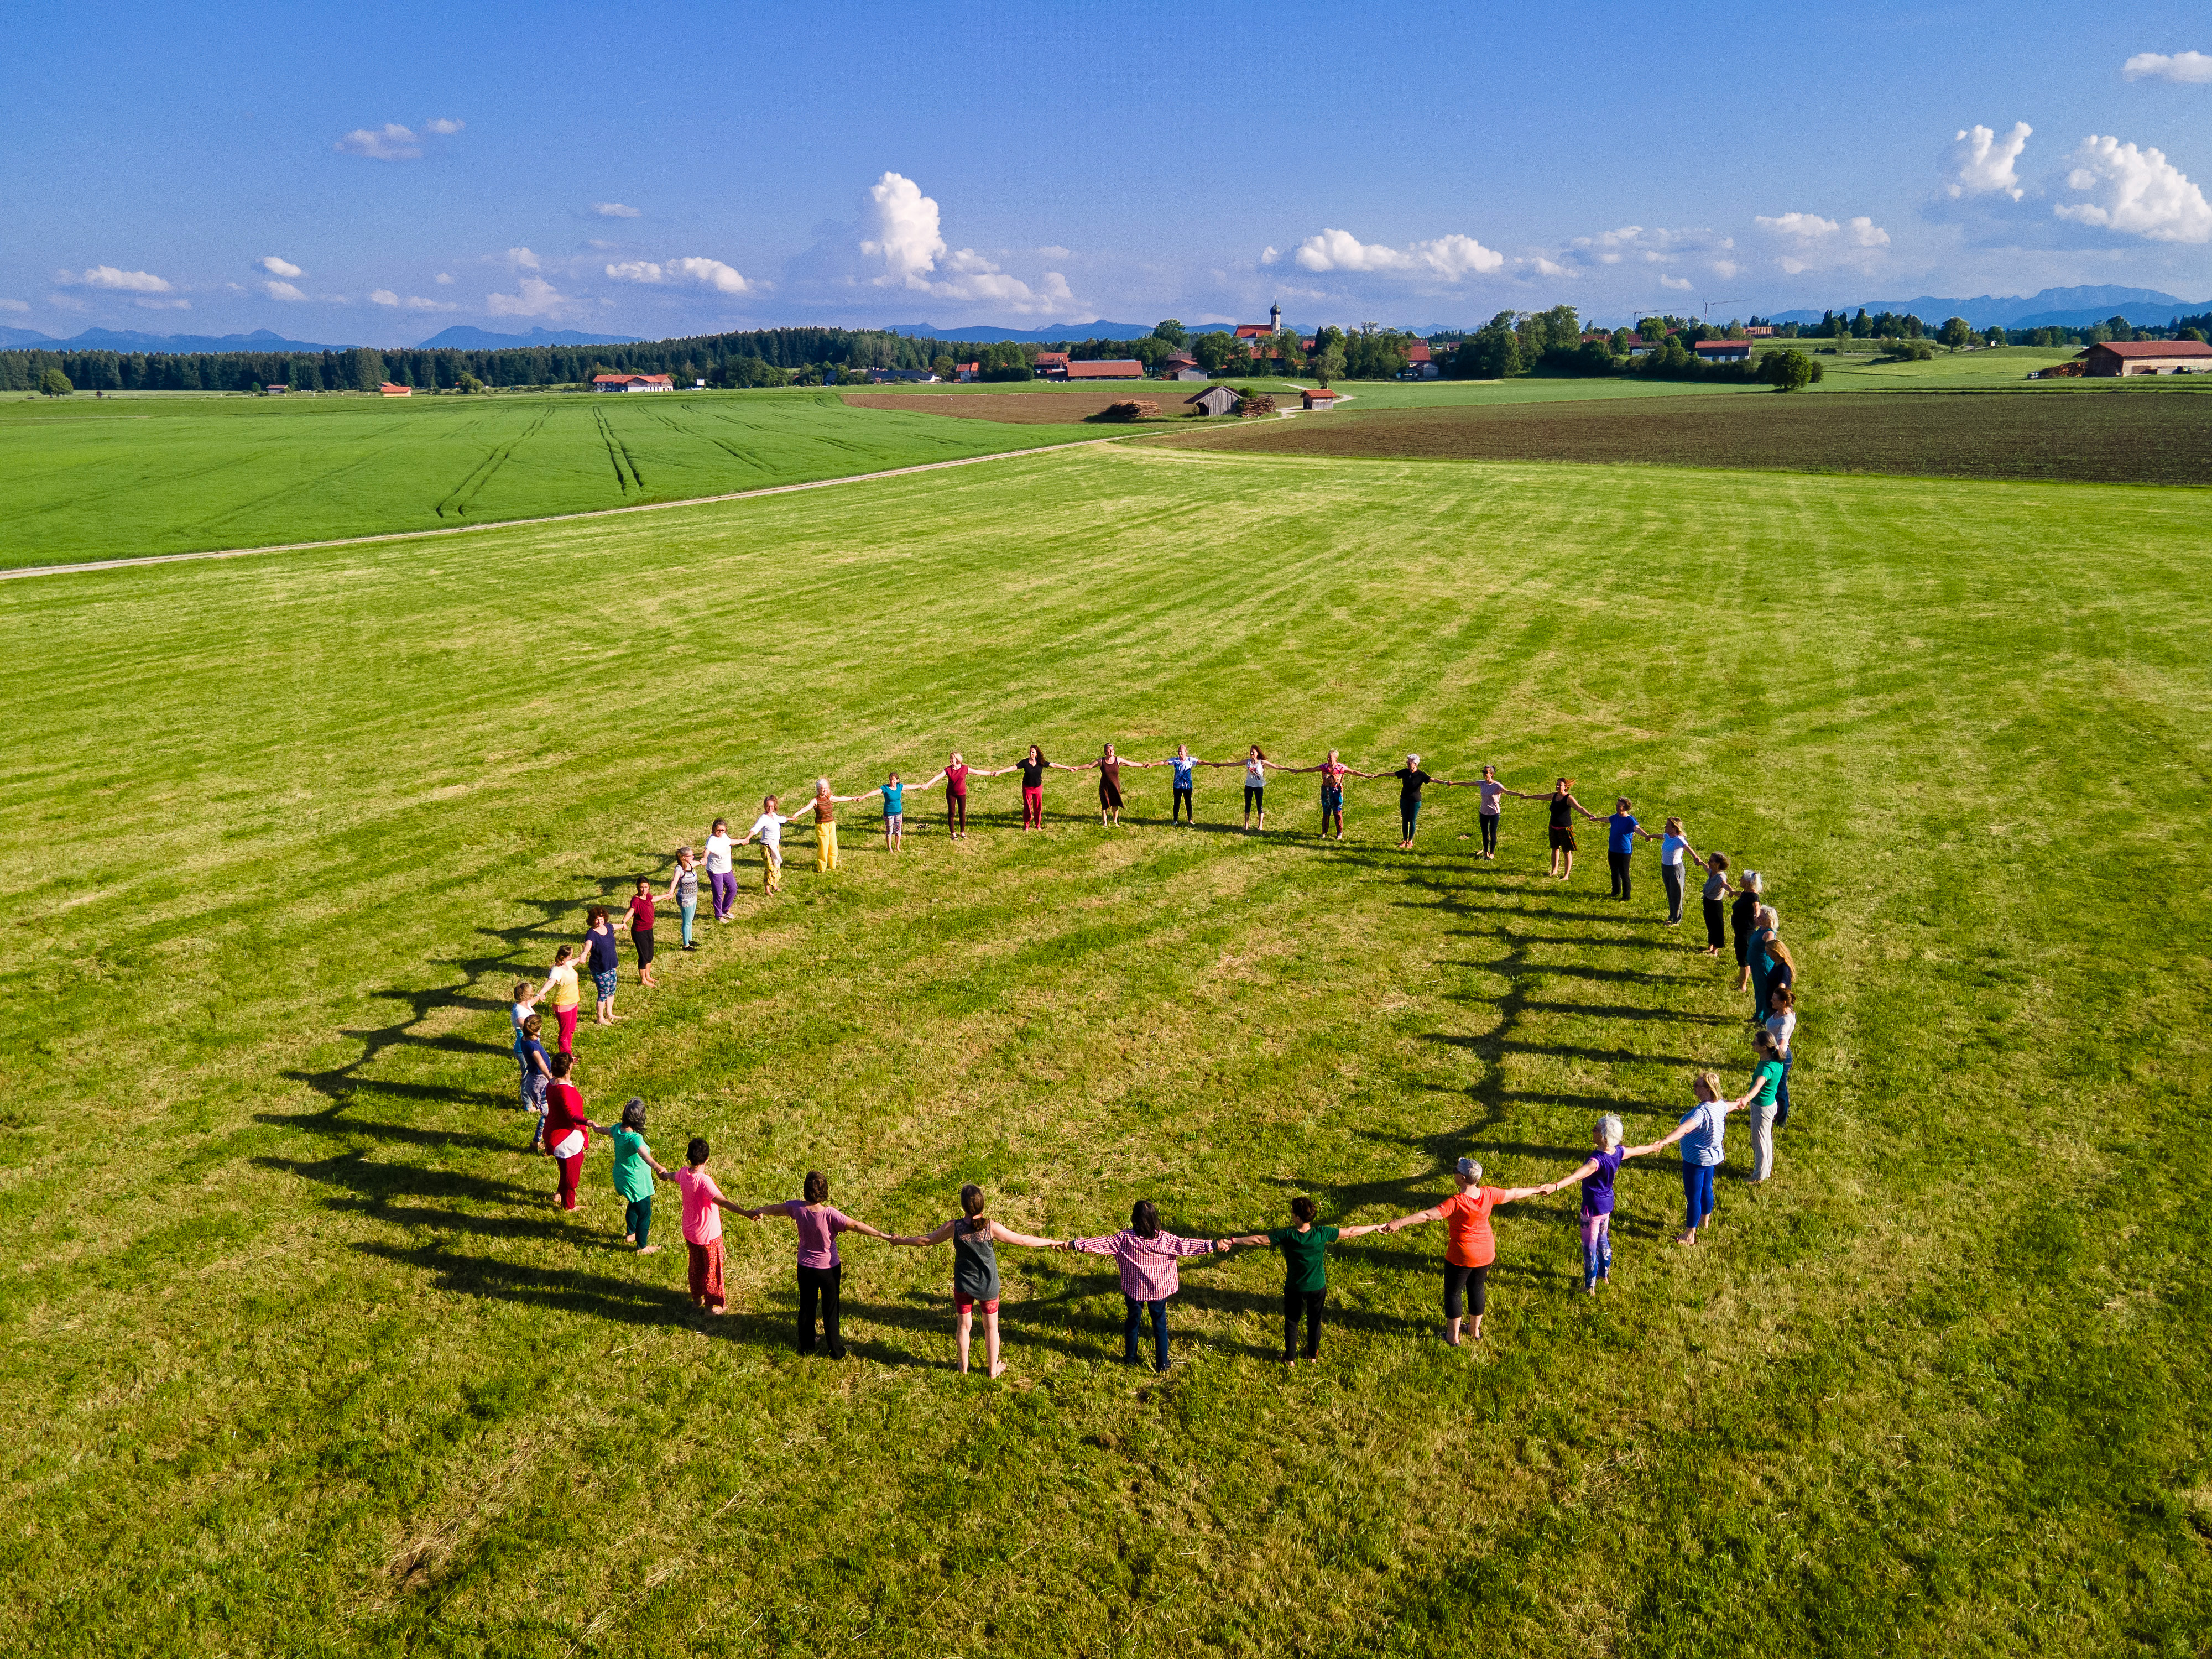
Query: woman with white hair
[(1410, 779), (1473, 1246), (1597, 1176), (825, 824)]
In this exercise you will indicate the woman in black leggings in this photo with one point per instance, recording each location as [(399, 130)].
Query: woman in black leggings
[(1716, 893), (1472, 1247), (1305, 1272)]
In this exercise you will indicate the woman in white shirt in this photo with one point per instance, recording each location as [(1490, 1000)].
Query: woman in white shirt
[(1255, 786), (1673, 845), (720, 876), (769, 826), (1781, 1026)]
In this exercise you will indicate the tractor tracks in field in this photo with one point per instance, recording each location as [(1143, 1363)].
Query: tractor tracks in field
[(616, 450), (458, 498)]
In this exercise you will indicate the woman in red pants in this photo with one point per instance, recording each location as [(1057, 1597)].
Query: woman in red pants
[(1033, 766), (568, 1130)]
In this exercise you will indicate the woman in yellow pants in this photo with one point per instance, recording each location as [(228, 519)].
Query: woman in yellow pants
[(825, 825)]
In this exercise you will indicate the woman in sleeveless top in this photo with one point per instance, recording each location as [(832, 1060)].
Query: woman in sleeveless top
[(1110, 784), (976, 1270), (1597, 1176)]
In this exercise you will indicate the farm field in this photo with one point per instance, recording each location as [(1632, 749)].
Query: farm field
[(296, 1356), (2138, 435), (89, 479)]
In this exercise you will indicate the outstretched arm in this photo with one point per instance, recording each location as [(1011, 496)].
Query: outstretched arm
[(1366, 1227), (1249, 1238), (1590, 1168), (1512, 1194), (1006, 1235), (1659, 1144), (1419, 1217), (853, 1226), (924, 1239)]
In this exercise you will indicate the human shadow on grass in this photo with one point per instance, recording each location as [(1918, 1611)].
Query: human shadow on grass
[(1494, 1045), (333, 1122), (374, 1184)]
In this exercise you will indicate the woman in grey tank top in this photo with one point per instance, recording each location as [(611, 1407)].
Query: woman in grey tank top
[(974, 1238)]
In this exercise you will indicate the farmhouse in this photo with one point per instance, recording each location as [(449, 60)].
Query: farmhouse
[(1319, 397), (880, 375), (1050, 365), (1759, 331), (1106, 368), (968, 371), (1181, 367), (1215, 400), (392, 389), (632, 383), (1724, 351), (1420, 363), (2147, 357), (277, 389)]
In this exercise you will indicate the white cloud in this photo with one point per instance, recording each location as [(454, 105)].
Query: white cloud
[(107, 276), (535, 297), (443, 280), (1269, 254), (282, 290), (385, 296), (1979, 163), (1816, 243), (1681, 283), (521, 259), (2136, 192), (704, 273), (390, 142), (443, 126), (1445, 258), (65, 302), (1646, 245), (1726, 269), (15, 305), (902, 233), (1054, 253), (2192, 67), (276, 267), (614, 210), (163, 305), (1544, 267)]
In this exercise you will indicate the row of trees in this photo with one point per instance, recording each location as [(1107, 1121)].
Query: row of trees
[(1957, 331)]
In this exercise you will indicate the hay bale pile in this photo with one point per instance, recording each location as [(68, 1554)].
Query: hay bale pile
[(1133, 409), (1257, 403)]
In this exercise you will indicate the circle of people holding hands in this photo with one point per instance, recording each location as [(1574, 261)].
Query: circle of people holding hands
[(1146, 1253)]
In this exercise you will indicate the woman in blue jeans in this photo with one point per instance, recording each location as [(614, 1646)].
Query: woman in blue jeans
[(1146, 1254), (683, 888), (1700, 1133)]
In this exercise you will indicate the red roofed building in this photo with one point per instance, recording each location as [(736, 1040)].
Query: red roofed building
[(392, 389), (632, 383), (1724, 351), (2147, 357), (1107, 368), (1052, 365), (968, 371), (1319, 397), (1261, 331), (1420, 363)]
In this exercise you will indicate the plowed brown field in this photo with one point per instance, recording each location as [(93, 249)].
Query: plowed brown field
[(2147, 436)]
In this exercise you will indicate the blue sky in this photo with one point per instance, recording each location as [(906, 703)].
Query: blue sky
[(376, 174)]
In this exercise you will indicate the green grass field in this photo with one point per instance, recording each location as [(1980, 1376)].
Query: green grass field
[(299, 1359), (92, 479)]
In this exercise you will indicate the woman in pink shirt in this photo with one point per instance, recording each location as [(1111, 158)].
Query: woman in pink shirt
[(821, 1274), (703, 1204), (1147, 1257)]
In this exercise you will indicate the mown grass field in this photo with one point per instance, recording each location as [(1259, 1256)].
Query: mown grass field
[(299, 1358), (91, 479), (2140, 434)]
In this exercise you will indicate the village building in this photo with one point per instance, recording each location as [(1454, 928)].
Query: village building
[(1724, 351), (1215, 400), (968, 371), (1319, 398), (1181, 367), (277, 389), (1247, 333), (1106, 368), (1420, 363), (2121, 357), (1050, 365), (632, 383), (393, 389)]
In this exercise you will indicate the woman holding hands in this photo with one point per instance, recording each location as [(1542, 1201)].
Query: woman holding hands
[(1564, 807), (1702, 1132), (1033, 766), (1333, 772), (975, 1271), (1146, 1254), (1109, 790), (821, 1272), (1305, 1271), (1473, 1246)]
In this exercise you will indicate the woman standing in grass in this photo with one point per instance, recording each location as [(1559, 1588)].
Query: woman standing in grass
[(1673, 846), (721, 876), (955, 776), (1305, 1272), (769, 826), (1765, 1086), (1492, 808), (825, 824), (1255, 787), (1781, 1026), (640, 920), (1597, 1176), (1473, 1246), (683, 888), (603, 950), (821, 1272), (1703, 1133), (1564, 807), (1185, 765), (1109, 785), (1333, 772), (1743, 921), (1410, 779), (975, 1271), (703, 1204), (1147, 1256), (536, 1080), (894, 794), (1771, 965), (1033, 766), (567, 995), (525, 994), (1716, 891), (1621, 832), (634, 1169), (568, 1130)]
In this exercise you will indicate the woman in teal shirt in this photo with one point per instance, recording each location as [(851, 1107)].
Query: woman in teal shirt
[(1765, 1083), (1305, 1272), (634, 1169)]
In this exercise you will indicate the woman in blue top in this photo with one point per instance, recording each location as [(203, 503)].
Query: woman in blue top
[(894, 794), (1597, 1176), (1700, 1133), (1185, 809), (1622, 829), (605, 950)]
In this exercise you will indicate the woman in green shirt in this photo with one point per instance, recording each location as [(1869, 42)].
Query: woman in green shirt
[(1765, 1083), (634, 1169), (1305, 1272)]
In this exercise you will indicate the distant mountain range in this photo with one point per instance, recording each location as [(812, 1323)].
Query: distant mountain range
[(2054, 307), (463, 337), (460, 337)]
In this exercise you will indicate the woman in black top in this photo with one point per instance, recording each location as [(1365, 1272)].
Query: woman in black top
[(1743, 920), (1564, 807), (1033, 766), (1410, 779), (976, 1270)]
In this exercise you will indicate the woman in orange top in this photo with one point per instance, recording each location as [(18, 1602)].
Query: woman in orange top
[(1473, 1247)]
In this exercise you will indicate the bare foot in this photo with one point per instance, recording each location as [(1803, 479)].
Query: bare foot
[(718, 1311), (629, 1238), (999, 1369), (1686, 1239), (650, 1250)]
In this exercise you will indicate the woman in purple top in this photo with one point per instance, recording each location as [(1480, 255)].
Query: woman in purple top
[(1597, 1176), (820, 1272), (1147, 1256)]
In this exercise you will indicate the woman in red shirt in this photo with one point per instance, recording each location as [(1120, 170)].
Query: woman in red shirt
[(1473, 1247), (568, 1130), (640, 930)]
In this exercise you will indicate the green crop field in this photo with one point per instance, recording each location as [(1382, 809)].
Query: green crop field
[(94, 479), (300, 1358)]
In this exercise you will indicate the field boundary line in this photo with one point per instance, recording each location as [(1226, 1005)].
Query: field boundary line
[(137, 560)]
